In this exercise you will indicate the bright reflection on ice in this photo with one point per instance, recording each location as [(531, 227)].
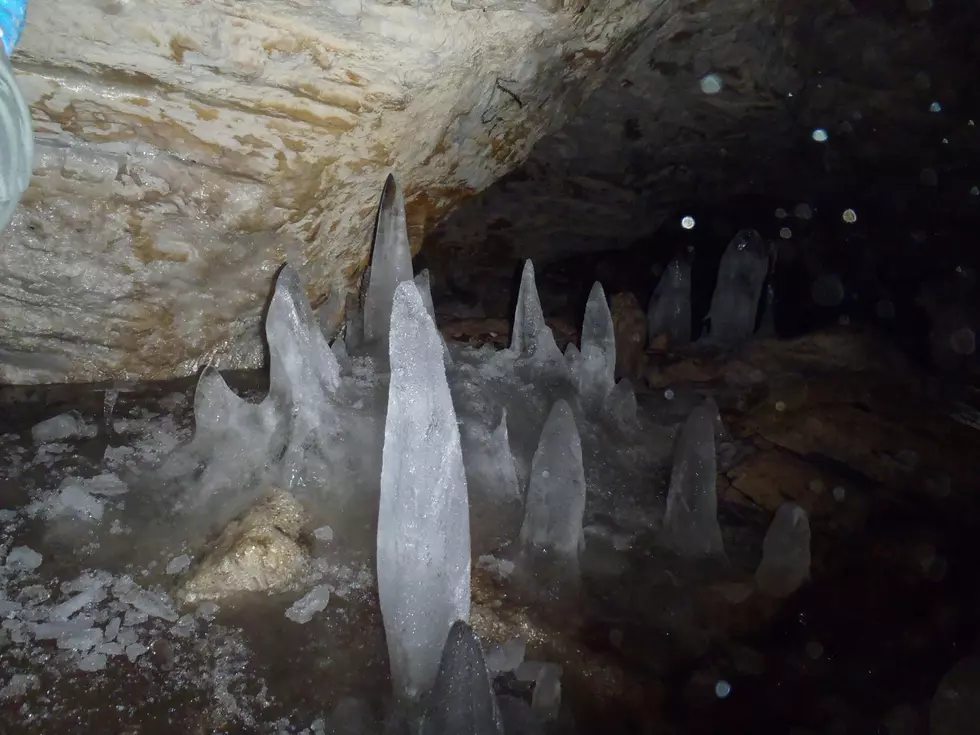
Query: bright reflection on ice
[(850, 216), (781, 213), (935, 107), (785, 233), (820, 135), (722, 689), (687, 223)]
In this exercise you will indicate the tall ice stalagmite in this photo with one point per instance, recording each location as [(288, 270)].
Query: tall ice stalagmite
[(670, 307), (598, 366), (691, 520), (391, 263), (531, 336), (741, 275), (556, 492), (423, 518)]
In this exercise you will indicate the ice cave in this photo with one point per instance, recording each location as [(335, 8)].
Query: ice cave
[(489, 367)]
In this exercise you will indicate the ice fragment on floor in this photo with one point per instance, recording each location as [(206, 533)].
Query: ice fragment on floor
[(785, 552), (153, 604), (324, 534), (506, 656), (690, 526), (178, 564), (135, 650), (423, 553), (18, 686), (314, 601), (23, 558), (461, 701), (68, 425), (74, 499)]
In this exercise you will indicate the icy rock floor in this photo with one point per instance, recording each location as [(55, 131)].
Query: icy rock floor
[(653, 644)]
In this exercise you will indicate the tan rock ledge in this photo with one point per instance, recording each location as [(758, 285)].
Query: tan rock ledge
[(187, 148)]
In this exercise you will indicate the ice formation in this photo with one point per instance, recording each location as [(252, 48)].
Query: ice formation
[(555, 500), (690, 525), (288, 438), (391, 263), (598, 365), (63, 426), (423, 552), (785, 552), (669, 311), (314, 601), (462, 701), (741, 275), (531, 337), (621, 404), (767, 327), (503, 478)]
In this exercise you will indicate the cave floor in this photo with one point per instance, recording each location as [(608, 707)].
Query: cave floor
[(882, 459)]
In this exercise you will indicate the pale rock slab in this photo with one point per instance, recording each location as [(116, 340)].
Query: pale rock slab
[(174, 138), (257, 552)]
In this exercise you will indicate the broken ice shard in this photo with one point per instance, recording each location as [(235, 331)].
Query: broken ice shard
[(598, 365), (691, 521), (423, 284), (741, 274), (556, 492), (423, 517), (391, 263), (785, 552), (670, 307), (530, 335), (462, 699)]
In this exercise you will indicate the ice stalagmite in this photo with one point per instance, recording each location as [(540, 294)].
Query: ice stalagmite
[(530, 335), (423, 518), (303, 373), (785, 552), (237, 443), (556, 492), (691, 520), (741, 275), (598, 366), (391, 263), (670, 307), (423, 284), (620, 404), (505, 483), (462, 701)]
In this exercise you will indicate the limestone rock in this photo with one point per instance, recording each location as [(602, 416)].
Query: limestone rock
[(186, 149), (630, 325), (260, 551)]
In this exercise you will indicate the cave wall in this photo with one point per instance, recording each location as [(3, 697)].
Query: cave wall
[(186, 149)]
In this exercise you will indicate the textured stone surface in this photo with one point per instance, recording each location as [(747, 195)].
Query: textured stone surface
[(257, 552), (187, 148)]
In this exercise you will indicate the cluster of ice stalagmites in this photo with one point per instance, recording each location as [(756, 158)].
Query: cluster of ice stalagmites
[(743, 271)]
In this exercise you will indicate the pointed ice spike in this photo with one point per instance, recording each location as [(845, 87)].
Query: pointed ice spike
[(300, 360), (691, 520), (670, 307), (462, 700), (598, 349), (721, 433), (503, 459), (785, 552), (621, 403), (555, 500), (741, 275), (423, 517), (424, 285), (391, 263), (530, 335)]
